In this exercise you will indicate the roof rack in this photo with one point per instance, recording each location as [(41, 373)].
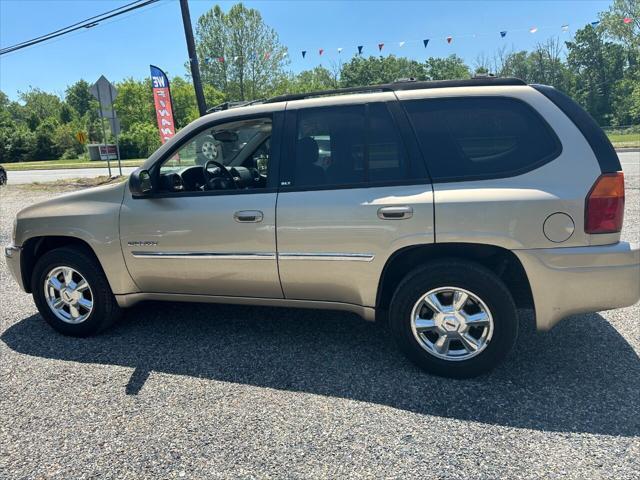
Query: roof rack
[(228, 105), (408, 84)]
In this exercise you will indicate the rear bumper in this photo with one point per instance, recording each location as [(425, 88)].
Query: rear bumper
[(571, 280), (12, 255)]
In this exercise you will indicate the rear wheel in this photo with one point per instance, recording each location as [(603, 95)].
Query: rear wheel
[(454, 318), (72, 292)]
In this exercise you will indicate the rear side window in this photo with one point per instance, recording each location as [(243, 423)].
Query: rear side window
[(481, 137), (348, 145)]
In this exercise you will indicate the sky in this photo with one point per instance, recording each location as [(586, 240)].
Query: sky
[(125, 46)]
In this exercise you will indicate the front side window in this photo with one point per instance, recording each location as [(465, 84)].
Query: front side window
[(347, 145), (480, 137), (233, 155)]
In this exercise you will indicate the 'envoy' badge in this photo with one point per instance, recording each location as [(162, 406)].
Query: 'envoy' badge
[(148, 243)]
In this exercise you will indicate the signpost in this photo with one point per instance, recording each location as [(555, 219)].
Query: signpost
[(104, 91)]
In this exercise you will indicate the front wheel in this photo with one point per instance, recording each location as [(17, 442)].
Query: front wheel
[(72, 293), (454, 318)]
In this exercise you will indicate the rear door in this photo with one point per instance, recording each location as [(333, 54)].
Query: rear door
[(353, 190)]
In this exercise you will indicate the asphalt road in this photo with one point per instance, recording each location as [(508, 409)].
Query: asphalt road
[(213, 391), (629, 160)]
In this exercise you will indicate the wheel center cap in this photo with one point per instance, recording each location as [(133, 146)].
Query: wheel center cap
[(66, 296), (450, 324)]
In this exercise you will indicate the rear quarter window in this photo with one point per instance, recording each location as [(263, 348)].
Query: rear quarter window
[(481, 137)]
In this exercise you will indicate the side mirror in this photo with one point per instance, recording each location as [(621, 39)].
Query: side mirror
[(140, 183)]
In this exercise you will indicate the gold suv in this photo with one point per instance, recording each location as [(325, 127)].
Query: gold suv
[(436, 206)]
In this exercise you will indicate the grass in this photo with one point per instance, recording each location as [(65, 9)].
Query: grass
[(69, 184), (70, 163), (622, 140)]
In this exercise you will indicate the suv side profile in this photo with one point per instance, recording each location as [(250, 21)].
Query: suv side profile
[(439, 207)]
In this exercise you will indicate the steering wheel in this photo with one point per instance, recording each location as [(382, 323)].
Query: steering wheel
[(209, 177)]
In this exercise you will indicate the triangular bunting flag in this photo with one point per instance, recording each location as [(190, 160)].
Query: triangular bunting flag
[(340, 50), (425, 42), (503, 33), (304, 52), (533, 29), (360, 47), (221, 59), (595, 24), (321, 51), (627, 20), (401, 44), (449, 39), (565, 27), (380, 46)]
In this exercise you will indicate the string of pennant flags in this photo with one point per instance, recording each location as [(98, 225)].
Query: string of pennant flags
[(381, 45)]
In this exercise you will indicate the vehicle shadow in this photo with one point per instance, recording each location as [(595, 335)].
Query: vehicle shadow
[(580, 377)]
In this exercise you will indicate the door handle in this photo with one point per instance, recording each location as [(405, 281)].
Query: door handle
[(395, 213), (248, 216)]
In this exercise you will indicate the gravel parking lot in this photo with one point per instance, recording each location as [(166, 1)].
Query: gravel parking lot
[(207, 391)]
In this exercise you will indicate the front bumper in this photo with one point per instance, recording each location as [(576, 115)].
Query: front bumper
[(570, 280), (12, 255)]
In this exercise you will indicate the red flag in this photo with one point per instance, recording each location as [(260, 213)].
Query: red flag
[(162, 100), (321, 51), (380, 45), (449, 39), (627, 20), (221, 59)]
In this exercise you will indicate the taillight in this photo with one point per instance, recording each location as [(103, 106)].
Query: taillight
[(604, 208)]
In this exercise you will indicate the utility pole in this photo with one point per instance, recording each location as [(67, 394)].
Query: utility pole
[(193, 57)]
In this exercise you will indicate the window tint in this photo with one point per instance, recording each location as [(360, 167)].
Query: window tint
[(334, 146), (466, 138)]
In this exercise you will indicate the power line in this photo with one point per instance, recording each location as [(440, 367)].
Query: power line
[(87, 23)]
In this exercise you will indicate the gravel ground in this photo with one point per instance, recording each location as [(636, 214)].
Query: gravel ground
[(206, 391)]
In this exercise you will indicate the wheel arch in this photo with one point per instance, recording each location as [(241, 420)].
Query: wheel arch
[(501, 261), (35, 247)]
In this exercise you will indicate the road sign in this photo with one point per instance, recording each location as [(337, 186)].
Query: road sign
[(105, 92), (81, 137)]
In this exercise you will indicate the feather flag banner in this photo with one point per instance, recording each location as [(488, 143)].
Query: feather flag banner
[(503, 33), (425, 42), (304, 53), (380, 46), (533, 29), (449, 39), (360, 47)]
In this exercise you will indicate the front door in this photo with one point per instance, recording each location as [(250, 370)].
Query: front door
[(209, 226)]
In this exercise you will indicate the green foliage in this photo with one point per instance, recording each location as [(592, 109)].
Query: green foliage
[(254, 59), (80, 99), (372, 70), (140, 141), (449, 68)]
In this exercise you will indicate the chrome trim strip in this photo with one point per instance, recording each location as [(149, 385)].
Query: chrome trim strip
[(349, 257), (206, 255)]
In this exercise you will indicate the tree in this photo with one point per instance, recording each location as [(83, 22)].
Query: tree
[(374, 70), (239, 54), (614, 28), (134, 103), (316, 79), (598, 65), (79, 98), (449, 68)]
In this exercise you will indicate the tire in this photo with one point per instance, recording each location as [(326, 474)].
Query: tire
[(489, 302), (104, 309)]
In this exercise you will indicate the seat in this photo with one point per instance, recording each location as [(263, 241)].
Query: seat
[(307, 172)]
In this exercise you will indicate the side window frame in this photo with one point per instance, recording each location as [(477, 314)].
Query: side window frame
[(408, 144), (490, 176), (277, 122)]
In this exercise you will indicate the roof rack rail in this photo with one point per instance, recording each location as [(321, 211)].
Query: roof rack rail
[(403, 84), (228, 105)]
